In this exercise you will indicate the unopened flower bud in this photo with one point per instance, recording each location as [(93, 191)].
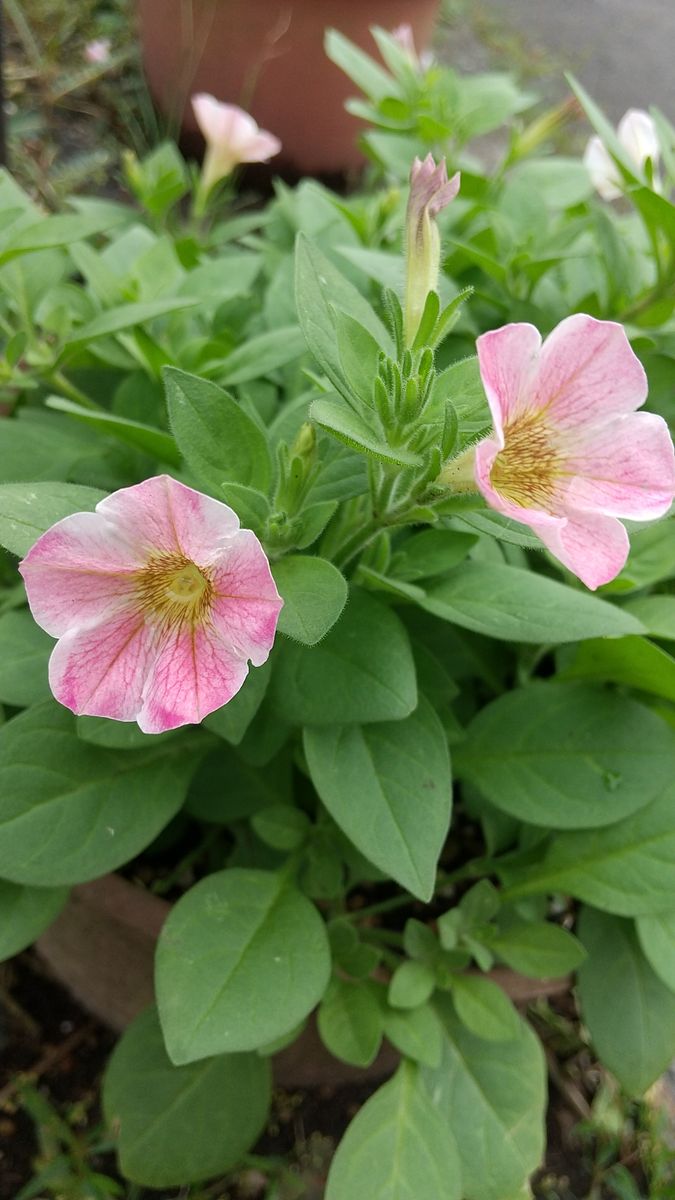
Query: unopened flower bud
[(458, 474), (430, 192), (304, 445)]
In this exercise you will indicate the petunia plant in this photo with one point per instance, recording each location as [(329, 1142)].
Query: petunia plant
[(337, 598)]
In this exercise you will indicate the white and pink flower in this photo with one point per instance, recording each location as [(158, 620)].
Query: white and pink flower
[(158, 599), (232, 137), (569, 454), (637, 133)]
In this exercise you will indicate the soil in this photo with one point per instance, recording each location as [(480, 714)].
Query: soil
[(46, 1038)]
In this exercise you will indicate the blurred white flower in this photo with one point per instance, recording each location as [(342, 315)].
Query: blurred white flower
[(637, 133), (98, 51)]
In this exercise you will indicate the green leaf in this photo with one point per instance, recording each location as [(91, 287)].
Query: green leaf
[(24, 913), (227, 789), (220, 442), (314, 594), (484, 1008), (38, 445), (27, 510), (232, 943), (416, 1032), (350, 1022), (396, 1148), (388, 787), (412, 982), (657, 614), (567, 756), (24, 653), (281, 826), (118, 735), (262, 355), (320, 291), (70, 811), (515, 605), (61, 230), (359, 356), (347, 426), (179, 1125), (603, 127), (538, 949), (627, 868), (632, 661), (629, 1012), (126, 316), (657, 938), (651, 558), (494, 1103), (558, 180), (363, 70), (155, 442), (251, 506), (351, 955), (233, 719), (362, 671), (432, 552), (500, 527), (461, 384)]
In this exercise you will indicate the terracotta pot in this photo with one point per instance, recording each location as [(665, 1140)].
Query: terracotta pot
[(268, 56), (102, 947)]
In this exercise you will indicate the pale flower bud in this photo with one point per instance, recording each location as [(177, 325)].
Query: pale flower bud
[(430, 192), (637, 133), (232, 137), (403, 34)]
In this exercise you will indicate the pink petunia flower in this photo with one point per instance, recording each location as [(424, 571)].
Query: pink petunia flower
[(637, 133), (158, 599), (232, 137), (569, 454)]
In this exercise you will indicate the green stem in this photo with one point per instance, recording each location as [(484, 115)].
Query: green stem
[(357, 542), (651, 297), (162, 886), (59, 381), (373, 909), (476, 869), (376, 934)]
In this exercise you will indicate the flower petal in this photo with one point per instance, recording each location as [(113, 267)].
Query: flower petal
[(260, 148), (602, 169), (164, 516), (486, 452), (594, 547), (638, 136), (246, 604), (100, 671), (624, 468), (79, 572), (507, 360), (195, 672), (587, 373)]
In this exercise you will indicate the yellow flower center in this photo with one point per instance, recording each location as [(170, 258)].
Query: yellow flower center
[(174, 589), (525, 471)]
